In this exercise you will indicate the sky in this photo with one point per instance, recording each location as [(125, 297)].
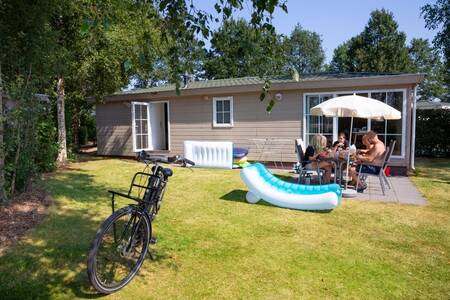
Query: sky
[(339, 20)]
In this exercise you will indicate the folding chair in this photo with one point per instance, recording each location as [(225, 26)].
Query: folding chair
[(299, 167), (381, 174)]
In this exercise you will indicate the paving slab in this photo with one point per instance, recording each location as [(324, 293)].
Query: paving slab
[(403, 191)]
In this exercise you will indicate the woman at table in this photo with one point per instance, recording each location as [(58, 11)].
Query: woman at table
[(341, 143), (314, 152)]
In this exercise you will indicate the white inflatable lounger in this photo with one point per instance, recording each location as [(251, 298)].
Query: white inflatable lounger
[(263, 185), (210, 154)]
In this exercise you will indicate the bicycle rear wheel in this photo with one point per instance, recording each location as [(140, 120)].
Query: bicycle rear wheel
[(118, 250)]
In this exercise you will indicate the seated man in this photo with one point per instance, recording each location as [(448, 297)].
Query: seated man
[(374, 156), (365, 141)]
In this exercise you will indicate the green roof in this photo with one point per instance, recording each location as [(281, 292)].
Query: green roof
[(256, 81)]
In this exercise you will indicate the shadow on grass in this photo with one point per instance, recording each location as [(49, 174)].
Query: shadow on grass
[(239, 196), (50, 262)]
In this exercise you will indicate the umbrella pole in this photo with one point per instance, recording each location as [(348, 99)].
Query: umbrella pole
[(348, 156), (346, 192)]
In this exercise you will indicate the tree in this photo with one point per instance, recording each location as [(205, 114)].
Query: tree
[(425, 60), (239, 49), (438, 16), (304, 50), (380, 47)]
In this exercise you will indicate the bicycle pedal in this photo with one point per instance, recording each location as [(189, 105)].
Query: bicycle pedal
[(153, 241)]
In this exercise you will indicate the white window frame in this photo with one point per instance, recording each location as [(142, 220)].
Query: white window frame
[(222, 125), (133, 125), (369, 92)]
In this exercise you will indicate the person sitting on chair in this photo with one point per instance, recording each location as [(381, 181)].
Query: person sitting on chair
[(365, 141), (315, 152), (341, 143), (374, 156)]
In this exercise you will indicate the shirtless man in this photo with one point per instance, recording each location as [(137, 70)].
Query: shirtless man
[(373, 156)]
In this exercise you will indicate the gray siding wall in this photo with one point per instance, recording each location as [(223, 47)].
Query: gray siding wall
[(191, 118), (114, 129)]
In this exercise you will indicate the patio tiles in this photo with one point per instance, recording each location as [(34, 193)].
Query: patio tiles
[(403, 191)]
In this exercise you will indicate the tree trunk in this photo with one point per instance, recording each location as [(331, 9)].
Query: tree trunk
[(62, 154), (76, 128), (2, 146), (16, 160)]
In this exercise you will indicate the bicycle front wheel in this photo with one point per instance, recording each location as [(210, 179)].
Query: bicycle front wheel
[(118, 250)]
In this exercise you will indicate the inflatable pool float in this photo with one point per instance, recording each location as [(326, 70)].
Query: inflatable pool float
[(263, 185)]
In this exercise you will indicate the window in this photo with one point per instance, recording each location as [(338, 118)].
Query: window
[(329, 127), (223, 112), (389, 129), (140, 125), (317, 124)]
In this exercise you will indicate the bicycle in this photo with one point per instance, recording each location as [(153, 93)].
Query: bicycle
[(121, 243)]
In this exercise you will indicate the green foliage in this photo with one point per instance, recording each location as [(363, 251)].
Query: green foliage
[(304, 50), (47, 149), (29, 137), (380, 47), (437, 16), (425, 60), (433, 132), (239, 49)]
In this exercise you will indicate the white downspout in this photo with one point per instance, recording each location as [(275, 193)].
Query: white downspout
[(413, 138)]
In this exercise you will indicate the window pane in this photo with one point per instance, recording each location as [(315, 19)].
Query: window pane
[(363, 94), (398, 143), (226, 105), (378, 126), (395, 99), (144, 141), (379, 96), (325, 97), (138, 127), (138, 142), (313, 124), (327, 125), (143, 111), (394, 126), (219, 117), (137, 111), (226, 118), (144, 126), (219, 106), (311, 101)]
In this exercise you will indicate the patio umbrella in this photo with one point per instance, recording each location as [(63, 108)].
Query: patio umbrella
[(355, 106)]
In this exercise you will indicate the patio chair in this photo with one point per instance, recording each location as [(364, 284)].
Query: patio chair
[(381, 174), (304, 174)]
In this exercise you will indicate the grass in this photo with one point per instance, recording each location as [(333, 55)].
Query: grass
[(212, 244)]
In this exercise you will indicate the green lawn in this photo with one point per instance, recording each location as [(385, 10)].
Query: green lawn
[(212, 244)]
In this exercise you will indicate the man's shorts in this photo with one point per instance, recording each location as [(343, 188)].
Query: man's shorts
[(375, 170)]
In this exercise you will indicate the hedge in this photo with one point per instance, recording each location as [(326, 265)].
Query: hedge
[(433, 132)]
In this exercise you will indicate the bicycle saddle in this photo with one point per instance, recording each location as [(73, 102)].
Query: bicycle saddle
[(167, 172)]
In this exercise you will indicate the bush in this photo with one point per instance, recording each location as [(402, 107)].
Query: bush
[(433, 133)]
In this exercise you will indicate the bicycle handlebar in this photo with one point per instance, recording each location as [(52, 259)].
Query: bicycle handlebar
[(145, 157)]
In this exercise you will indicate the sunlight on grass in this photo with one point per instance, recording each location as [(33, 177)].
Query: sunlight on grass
[(212, 244)]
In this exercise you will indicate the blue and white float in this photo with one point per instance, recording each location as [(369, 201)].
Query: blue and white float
[(263, 185)]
